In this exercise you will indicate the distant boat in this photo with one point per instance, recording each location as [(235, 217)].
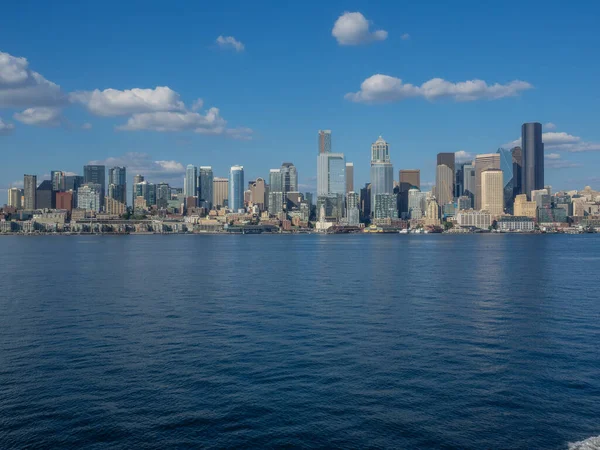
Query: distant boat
[(404, 231)]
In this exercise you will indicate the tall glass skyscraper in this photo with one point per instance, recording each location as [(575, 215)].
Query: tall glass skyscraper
[(532, 176), (117, 184), (190, 187), (517, 163), (324, 141), (95, 173), (236, 188), (290, 177), (205, 186), (382, 171), (506, 165)]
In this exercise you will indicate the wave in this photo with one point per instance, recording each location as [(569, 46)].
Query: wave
[(592, 443)]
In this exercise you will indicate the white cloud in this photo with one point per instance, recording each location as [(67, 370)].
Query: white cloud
[(20, 87), (561, 141), (43, 116), (6, 128), (552, 156), (229, 42), (113, 102), (463, 156), (198, 104), (144, 164), (384, 88), (549, 126), (352, 28), (242, 133), (405, 37), (86, 126), (211, 123)]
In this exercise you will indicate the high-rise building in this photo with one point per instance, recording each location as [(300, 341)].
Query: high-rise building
[(352, 208), (138, 179), (469, 188), (29, 187), (365, 201), (524, 207), (532, 175), (444, 184), (57, 178), (408, 179), (15, 197), (236, 188), (205, 187), (492, 191), (145, 190), (517, 170), (275, 196), (289, 176), (117, 184), (190, 186), (220, 192), (447, 159), (483, 163), (88, 197), (506, 165), (331, 174), (64, 200), (259, 192), (385, 206), (96, 173), (324, 141), (45, 197), (417, 203), (349, 177), (72, 182), (163, 195), (432, 216), (382, 171)]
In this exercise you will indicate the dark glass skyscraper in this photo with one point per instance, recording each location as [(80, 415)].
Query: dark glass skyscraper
[(532, 176), (94, 173), (117, 184), (517, 161)]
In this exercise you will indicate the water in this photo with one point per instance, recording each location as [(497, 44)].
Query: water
[(469, 342)]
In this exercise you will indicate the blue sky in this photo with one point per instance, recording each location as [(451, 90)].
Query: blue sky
[(288, 77)]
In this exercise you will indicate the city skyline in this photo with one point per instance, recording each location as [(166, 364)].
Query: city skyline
[(95, 118)]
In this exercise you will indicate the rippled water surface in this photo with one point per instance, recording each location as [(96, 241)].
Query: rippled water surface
[(312, 341)]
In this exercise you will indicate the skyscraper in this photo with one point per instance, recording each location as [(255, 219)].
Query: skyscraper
[(483, 163), (117, 184), (492, 191), (220, 192), (275, 199), (88, 196), (445, 178), (331, 174), (259, 192), (190, 187), (469, 186), (289, 177), (349, 177), (72, 182), (532, 175), (163, 195), (57, 178), (408, 178), (95, 173), (45, 197), (382, 171), (29, 187), (205, 187), (14, 198), (236, 188), (506, 165), (324, 141), (517, 163)]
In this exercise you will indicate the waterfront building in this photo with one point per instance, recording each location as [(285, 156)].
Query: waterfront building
[(483, 163), (382, 173), (515, 223), (524, 208), (15, 198), (45, 197), (96, 174), (220, 192), (205, 187), (190, 185), (532, 176), (236, 188), (114, 206), (89, 197), (432, 215), (29, 187), (349, 177), (474, 219), (492, 191)]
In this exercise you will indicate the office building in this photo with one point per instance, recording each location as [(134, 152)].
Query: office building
[(352, 208), (483, 163), (517, 166), (289, 176), (532, 175), (72, 182), (447, 159), (365, 202), (205, 187), (146, 191), (432, 214), (45, 197), (260, 194), (382, 172), (332, 206), (64, 200), (506, 165), (515, 223), (417, 203), (469, 188), (474, 219), (524, 207), (409, 178), (331, 174), (492, 192), (464, 203), (89, 197), (15, 198), (220, 192), (236, 188), (96, 174), (190, 184), (57, 178), (324, 141), (444, 183), (138, 179), (385, 206), (163, 195), (117, 184), (537, 196), (29, 187), (349, 177)]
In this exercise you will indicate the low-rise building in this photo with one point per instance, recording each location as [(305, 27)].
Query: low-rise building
[(515, 223), (474, 219)]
